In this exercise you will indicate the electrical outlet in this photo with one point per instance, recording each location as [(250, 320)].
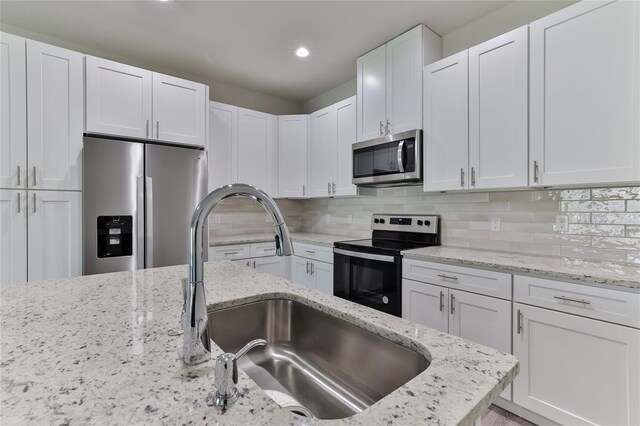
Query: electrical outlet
[(562, 223), (495, 224)]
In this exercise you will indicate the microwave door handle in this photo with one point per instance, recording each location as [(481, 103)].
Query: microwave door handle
[(401, 156), (368, 256)]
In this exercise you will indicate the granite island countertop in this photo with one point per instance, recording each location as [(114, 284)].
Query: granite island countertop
[(96, 350), (603, 274)]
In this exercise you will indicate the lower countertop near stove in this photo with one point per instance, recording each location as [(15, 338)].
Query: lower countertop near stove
[(602, 274), (95, 350)]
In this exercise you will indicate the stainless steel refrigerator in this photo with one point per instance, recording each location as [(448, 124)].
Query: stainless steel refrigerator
[(138, 202)]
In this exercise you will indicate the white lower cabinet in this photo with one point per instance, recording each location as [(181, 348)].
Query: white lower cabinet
[(13, 236), (312, 274), (55, 234), (274, 265), (259, 256), (481, 319), (576, 370)]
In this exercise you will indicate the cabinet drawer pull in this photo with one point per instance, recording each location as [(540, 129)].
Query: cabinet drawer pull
[(473, 176), (311, 267), (568, 299), (441, 301), (34, 175), (157, 130), (448, 277), (333, 188), (381, 131), (19, 176), (34, 203), (307, 267), (535, 171), (310, 251), (19, 209), (147, 129), (303, 190), (329, 188), (519, 325), (453, 304), (228, 253), (254, 264), (247, 263), (462, 178), (386, 128)]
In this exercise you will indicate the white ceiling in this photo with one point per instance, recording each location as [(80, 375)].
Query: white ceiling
[(249, 44)]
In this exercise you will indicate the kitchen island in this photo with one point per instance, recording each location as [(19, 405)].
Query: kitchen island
[(96, 350)]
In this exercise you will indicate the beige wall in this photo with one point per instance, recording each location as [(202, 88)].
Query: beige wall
[(344, 91), (218, 91)]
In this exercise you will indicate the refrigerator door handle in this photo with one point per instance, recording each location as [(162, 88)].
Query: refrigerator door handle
[(149, 221), (140, 223)]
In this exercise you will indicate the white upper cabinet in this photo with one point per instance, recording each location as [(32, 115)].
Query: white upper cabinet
[(585, 96), (13, 236), (127, 101), (13, 112), (257, 150), (346, 137), (389, 93), (446, 122), (55, 116), (322, 152), (498, 112), (293, 147), (371, 69), (223, 140), (118, 99), (179, 110), (55, 234)]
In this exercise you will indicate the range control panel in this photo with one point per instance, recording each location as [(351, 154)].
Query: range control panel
[(426, 224)]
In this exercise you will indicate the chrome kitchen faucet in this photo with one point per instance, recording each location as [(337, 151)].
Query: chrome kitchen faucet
[(196, 337)]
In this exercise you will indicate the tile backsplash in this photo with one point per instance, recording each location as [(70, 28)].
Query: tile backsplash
[(604, 223)]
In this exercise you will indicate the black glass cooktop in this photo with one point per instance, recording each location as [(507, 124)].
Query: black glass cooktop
[(391, 247)]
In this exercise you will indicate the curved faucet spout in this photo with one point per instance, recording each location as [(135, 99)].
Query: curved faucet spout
[(196, 344)]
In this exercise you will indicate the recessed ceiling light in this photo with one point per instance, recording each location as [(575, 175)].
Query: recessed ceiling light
[(302, 52)]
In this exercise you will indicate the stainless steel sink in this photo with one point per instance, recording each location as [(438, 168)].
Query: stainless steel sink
[(326, 365)]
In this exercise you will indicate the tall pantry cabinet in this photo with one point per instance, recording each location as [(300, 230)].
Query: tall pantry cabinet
[(41, 163)]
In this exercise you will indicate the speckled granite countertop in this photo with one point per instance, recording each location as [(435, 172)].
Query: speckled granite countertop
[(603, 274), (300, 237), (95, 350)]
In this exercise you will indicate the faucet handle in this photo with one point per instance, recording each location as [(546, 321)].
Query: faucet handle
[(226, 375)]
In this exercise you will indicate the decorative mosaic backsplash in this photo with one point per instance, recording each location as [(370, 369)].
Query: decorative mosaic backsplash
[(604, 223)]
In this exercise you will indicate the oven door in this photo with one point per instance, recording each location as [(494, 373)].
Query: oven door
[(369, 279)]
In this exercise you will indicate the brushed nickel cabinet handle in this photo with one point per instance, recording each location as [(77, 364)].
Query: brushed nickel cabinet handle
[(386, 128), (34, 203), (535, 171), (307, 267), (473, 176), (462, 178), (228, 253), (310, 251), (254, 264), (19, 179), (34, 175), (329, 188), (19, 209), (381, 131), (303, 190), (447, 277), (147, 129), (452, 301), (568, 299), (333, 188), (311, 268), (247, 263), (519, 323), (441, 301), (157, 130)]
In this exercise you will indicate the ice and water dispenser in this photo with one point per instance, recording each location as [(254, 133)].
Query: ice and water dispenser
[(115, 236)]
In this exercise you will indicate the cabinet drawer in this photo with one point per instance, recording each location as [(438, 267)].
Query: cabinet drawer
[(263, 249), (619, 307), (229, 252), (310, 251), (495, 284)]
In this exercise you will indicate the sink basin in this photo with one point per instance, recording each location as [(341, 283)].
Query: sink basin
[(318, 363)]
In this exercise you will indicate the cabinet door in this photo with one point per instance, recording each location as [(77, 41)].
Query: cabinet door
[(575, 370), (179, 110), (223, 143), (346, 134), (371, 80), (118, 100), (585, 96), (323, 275), (257, 158), (322, 152), (55, 115), (404, 82), (13, 112), (426, 304), (498, 111), (274, 265), (446, 141), (483, 320), (293, 147), (301, 271), (13, 236), (55, 234)]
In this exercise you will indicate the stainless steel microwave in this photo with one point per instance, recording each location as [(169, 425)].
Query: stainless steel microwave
[(389, 160)]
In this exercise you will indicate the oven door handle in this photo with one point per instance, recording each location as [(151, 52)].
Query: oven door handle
[(368, 256)]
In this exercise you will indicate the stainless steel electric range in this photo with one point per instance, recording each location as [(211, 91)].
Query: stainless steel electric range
[(369, 271)]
